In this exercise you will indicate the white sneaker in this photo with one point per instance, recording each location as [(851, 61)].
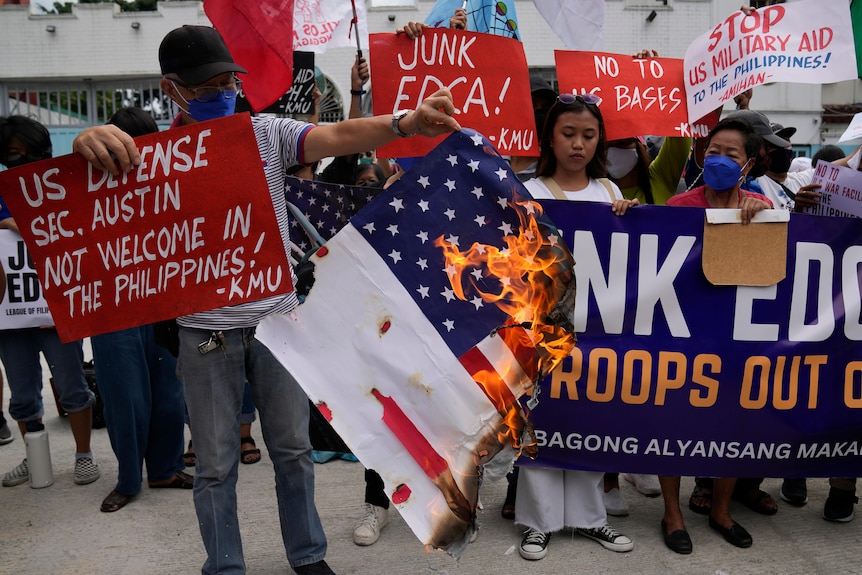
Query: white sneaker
[(609, 537), (367, 532), (534, 545), (19, 475), (615, 503), (646, 484)]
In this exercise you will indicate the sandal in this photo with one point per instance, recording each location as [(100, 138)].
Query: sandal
[(701, 500), (115, 501), (757, 500), (189, 457), (180, 480), (249, 456)]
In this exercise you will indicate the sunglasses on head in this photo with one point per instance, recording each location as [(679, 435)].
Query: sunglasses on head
[(582, 98)]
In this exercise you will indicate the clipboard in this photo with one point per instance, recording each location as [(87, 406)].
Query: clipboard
[(754, 254)]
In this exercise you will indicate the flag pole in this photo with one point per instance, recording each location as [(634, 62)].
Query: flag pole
[(354, 24)]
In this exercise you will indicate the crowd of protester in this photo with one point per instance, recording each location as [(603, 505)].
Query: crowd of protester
[(152, 383)]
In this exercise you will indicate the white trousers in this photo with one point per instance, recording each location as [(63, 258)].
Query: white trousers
[(551, 499)]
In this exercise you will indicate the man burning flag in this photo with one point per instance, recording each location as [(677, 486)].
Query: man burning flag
[(419, 350)]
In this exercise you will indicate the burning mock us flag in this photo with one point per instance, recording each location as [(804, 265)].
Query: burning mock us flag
[(433, 311)]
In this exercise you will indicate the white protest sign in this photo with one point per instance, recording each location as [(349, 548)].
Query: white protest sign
[(809, 42), (840, 191), (21, 300), (853, 133), (322, 24)]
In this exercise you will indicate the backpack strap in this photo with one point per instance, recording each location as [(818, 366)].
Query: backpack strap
[(558, 194), (554, 188), (607, 184)]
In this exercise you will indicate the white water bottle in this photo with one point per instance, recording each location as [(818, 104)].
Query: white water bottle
[(38, 455)]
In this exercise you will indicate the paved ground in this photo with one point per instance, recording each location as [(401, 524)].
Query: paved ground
[(61, 530)]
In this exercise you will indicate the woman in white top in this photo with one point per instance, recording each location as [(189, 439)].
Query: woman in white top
[(572, 167)]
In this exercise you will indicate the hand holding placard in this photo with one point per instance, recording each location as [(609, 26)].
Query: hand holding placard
[(107, 148)]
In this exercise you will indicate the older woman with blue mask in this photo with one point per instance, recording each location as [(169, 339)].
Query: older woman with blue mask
[(731, 150)]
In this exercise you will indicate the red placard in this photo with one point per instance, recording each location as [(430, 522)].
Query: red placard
[(487, 75), (192, 228), (640, 96)]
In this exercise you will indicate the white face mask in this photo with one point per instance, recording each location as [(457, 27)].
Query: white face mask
[(621, 161)]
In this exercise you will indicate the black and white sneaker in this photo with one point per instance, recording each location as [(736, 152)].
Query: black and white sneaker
[(534, 545), (609, 537), (86, 471), (794, 491), (19, 475), (839, 505)]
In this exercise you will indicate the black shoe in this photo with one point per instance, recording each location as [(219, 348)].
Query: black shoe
[(839, 505), (736, 534), (319, 568), (678, 541), (534, 545), (795, 492)]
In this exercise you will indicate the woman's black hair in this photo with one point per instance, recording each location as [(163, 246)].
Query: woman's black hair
[(31, 133), (547, 165), (134, 121), (365, 166), (753, 142)]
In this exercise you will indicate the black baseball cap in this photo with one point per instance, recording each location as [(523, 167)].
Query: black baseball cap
[(781, 131), (760, 124), (196, 54), (539, 85)]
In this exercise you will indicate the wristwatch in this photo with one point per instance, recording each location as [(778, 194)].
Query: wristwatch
[(396, 117)]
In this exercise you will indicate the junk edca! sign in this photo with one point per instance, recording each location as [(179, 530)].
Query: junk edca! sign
[(677, 376), (191, 228), (21, 301), (486, 74)]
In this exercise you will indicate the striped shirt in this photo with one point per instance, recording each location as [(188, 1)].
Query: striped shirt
[(280, 142)]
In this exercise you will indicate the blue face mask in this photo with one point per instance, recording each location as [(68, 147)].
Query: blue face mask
[(721, 173), (218, 108)]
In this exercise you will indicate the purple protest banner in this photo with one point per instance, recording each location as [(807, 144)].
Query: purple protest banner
[(676, 376)]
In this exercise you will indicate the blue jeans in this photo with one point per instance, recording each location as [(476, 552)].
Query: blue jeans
[(19, 352), (247, 415), (144, 405), (214, 385)]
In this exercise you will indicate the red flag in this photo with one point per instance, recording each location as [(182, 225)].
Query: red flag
[(259, 35)]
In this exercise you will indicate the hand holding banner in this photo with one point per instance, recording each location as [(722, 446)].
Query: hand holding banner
[(174, 236), (807, 41)]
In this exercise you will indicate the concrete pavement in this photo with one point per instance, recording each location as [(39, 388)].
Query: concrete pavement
[(60, 529)]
